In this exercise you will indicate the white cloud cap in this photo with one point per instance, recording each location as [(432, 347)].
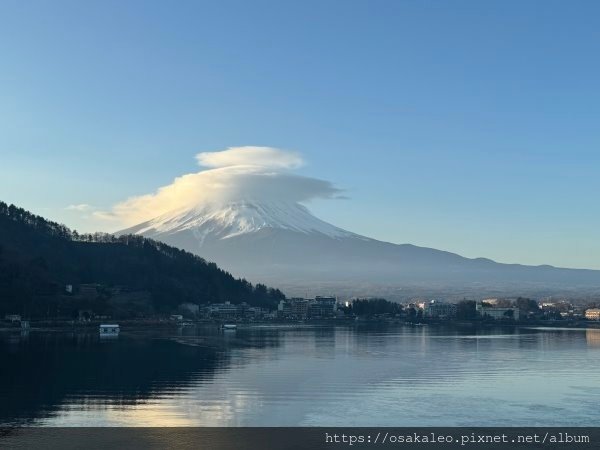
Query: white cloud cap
[(238, 173), (251, 156)]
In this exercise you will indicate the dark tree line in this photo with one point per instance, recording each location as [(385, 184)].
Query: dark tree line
[(372, 306), (39, 257), (466, 310)]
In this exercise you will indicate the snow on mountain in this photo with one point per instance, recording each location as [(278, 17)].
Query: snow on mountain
[(238, 218)]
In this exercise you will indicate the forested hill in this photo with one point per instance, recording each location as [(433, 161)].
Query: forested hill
[(39, 258)]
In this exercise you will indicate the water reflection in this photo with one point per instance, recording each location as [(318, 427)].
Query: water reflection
[(592, 337), (43, 373), (363, 375)]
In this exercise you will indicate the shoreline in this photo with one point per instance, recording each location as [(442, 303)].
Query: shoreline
[(166, 324)]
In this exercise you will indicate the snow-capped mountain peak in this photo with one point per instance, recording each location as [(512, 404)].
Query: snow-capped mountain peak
[(224, 221)]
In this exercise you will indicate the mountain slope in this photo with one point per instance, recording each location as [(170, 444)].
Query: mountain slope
[(238, 218), (286, 244), (38, 258)]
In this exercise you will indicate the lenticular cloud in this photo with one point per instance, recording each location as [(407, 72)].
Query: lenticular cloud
[(251, 156), (237, 173)]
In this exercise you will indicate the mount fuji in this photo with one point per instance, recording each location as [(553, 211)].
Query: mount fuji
[(282, 243)]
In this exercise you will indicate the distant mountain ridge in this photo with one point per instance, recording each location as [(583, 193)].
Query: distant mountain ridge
[(284, 243)]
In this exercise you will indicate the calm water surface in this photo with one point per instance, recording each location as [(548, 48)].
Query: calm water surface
[(312, 376)]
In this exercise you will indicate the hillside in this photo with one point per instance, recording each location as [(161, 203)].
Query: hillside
[(134, 275)]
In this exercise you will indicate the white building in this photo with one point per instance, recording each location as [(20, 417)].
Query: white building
[(497, 313), (592, 314), (438, 309)]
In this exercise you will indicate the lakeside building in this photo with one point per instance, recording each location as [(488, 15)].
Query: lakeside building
[(439, 310), (294, 308), (592, 314), (284, 308), (222, 310), (497, 313), (246, 311), (230, 311), (322, 307), (578, 311), (561, 306), (302, 308)]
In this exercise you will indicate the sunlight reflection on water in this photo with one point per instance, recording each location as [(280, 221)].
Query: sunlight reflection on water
[(275, 376)]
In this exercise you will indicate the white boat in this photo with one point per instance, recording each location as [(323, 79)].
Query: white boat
[(107, 330), (228, 326)]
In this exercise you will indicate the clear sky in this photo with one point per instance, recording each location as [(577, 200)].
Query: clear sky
[(471, 126)]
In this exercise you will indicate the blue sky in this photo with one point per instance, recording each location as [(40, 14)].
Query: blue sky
[(466, 126)]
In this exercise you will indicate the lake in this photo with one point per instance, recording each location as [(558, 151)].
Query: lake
[(363, 375)]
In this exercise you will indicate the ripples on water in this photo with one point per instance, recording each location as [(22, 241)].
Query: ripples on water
[(314, 376)]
